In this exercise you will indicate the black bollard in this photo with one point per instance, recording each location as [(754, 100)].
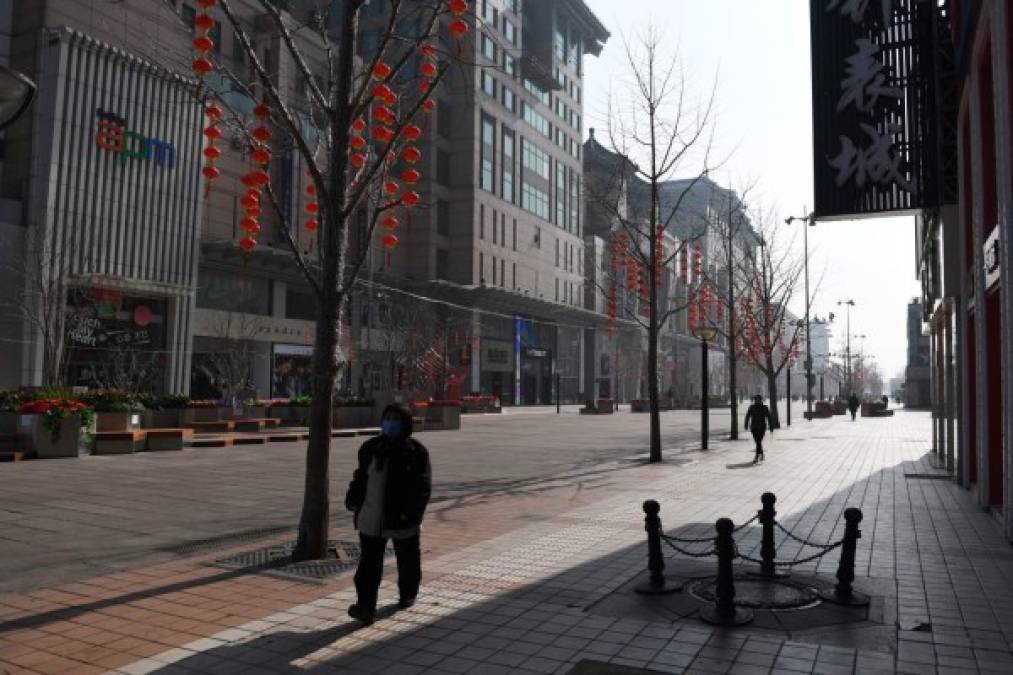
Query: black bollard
[(657, 583), (767, 516), (843, 593), (724, 612)]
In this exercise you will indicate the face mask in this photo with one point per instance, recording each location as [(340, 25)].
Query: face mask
[(391, 428)]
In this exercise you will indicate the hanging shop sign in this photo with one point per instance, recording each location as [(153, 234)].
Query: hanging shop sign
[(873, 118), (993, 265), (112, 134), (497, 356)]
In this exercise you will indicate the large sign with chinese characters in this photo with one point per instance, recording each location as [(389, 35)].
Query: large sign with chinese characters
[(873, 122)]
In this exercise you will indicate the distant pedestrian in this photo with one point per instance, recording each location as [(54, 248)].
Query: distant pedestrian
[(853, 405), (389, 493), (757, 418)]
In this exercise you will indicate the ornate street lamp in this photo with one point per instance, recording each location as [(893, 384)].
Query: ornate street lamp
[(16, 94), (704, 334)]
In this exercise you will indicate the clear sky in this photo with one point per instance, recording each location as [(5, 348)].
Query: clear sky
[(758, 52)]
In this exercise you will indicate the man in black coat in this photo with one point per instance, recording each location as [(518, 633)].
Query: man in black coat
[(757, 417), (389, 493), (853, 406)]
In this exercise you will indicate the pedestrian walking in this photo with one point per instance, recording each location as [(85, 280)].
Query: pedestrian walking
[(757, 418), (389, 493), (853, 405)]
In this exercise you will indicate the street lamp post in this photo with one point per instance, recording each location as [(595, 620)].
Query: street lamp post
[(810, 221), (848, 304), (704, 334)]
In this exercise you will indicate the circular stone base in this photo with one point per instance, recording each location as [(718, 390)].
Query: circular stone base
[(856, 599), (739, 617), (669, 585), (759, 593)]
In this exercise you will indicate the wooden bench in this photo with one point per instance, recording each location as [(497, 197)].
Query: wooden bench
[(118, 442), (15, 455), (219, 427), (167, 439)]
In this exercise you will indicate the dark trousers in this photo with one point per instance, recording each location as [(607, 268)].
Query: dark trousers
[(370, 571), (853, 415), (758, 434)]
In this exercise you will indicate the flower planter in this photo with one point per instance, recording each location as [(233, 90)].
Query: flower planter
[(170, 418), (254, 412), (117, 421), (352, 417), (201, 415), (33, 436), (443, 417)]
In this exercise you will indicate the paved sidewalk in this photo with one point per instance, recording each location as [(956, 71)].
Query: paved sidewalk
[(535, 581)]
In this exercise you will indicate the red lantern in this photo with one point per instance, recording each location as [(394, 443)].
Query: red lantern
[(412, 132), (428, 51), (213, 132), (262, 111), (203, 43), (311, 189), (358, 142), (262, 134), (428, 105), (211, 172), (211, 152), (312, 207), (391, 187), (412, 155), (411, 176), (203, 22), (383, 134), (459, 28), (381, 71), (359, 125), (428, 69), (261, 156), (391, 223), (255, 179), (213, 111), (382, 91), (251, 226), (382, 113), (247, 244), (411, 198), (207, 3), (202, 66), (458, 7), (390, 240), (357, 159), (391, 99), (249, 202), (312, 224), (253, 211)]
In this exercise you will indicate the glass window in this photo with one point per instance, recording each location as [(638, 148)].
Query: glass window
[(510, 65), (443, 168), (487, 179), (536, 120), (508, 99), (534, 200), (535, 159), (538, 92), (188, 14), (488, 47), (233, 292), (507, 172), (299, 305), (488, 84), (510, 31), (560, 189)]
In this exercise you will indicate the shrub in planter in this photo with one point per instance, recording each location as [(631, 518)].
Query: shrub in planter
[(202, 411), (10, 401), (300, 408), (115, 410), (163, 411)]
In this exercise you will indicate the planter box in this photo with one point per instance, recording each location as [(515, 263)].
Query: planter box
[(202, 415), (443, 417), (117, 421), (352, 417), (8, 422), (32, 436), (643, 405), (162, 419), (603, 406), (254, 412), (481, 404)]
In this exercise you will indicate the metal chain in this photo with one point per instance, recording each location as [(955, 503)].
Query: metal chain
[(691, 554), (789, 563), (747, 523), (687, 541), (828, 546)]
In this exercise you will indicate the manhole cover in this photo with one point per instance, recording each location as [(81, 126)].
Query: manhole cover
[(277, 561), (771, 594)]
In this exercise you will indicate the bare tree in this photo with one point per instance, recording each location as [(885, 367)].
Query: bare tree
[(362, 129), (660, 134), (229, 368), (772, 332)]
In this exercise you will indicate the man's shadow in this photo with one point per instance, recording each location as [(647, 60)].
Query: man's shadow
[(741, 465), (271, 651)]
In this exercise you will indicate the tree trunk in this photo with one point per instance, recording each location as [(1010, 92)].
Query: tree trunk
[(652, 387), (775, 422), (733, 394), (314, 521)]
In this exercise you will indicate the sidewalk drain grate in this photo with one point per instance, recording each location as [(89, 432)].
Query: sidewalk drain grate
[(221, 541), (277, 561)]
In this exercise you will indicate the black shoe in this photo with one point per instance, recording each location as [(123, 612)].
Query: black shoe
[(405, 603), (359, 614)]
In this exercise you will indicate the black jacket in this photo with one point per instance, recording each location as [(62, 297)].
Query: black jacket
[(757, 417), (853, 403), (409, 481)]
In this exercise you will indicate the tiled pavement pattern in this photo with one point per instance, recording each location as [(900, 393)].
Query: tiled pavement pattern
[(508, 580)]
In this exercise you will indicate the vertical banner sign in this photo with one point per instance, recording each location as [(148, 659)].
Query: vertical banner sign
[(872, 109)]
